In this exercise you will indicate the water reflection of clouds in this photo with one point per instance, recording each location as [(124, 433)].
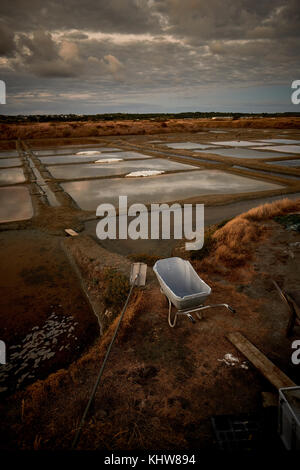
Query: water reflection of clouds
[(188, 145), (280, 141), (72, 150), (128, 155), (11, 176), (238, 143), (68, 159), (118, 168), (15, 204), (163, 188), (284, 148), (7, 162), (243, 153), (9, 153), (292, 163)]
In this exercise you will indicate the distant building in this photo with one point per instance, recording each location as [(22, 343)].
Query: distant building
[(222, 118)]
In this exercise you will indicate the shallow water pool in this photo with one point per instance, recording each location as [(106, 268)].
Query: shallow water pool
[(15, 204), (9, 153), (72, 150), (188, 145), (11, 176), (94, 170), (164, 188), (266, 172), (292, 163), (283, 148), (237, 143), (242, 153), (7, 162), (281, 141)]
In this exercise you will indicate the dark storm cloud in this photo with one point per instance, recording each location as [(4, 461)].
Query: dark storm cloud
[(7, 43), (42, 56), (97, 15), (226, 19)]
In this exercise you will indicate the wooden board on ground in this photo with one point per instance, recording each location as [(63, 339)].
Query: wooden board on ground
[(71, 232), (260, 361)]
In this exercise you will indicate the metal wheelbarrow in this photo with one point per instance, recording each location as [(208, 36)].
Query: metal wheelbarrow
[(183, 288)]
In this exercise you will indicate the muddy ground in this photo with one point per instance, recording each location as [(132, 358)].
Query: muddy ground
[(162, 385)]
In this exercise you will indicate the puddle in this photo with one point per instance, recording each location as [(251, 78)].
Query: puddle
[(292, 163), (280, 141), (284, 148), (274, 173), (115, 169), (188, 145), (242, 153), (164, 188), (15, 204), (237, 143), (7, 162), (11, 176)]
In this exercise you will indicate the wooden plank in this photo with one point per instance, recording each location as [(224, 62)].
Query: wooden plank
[(260, 361), (71, 232)]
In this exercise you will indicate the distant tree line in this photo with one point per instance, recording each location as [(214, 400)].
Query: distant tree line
[(134, 116)]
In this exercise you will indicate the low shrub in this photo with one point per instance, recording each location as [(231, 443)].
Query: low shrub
[(116, 288)]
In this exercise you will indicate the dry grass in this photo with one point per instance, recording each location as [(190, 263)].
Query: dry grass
[(94, 129), (271, 210), (234, 243)]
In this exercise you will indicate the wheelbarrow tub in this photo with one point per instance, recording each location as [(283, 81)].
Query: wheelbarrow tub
[(180, 283)]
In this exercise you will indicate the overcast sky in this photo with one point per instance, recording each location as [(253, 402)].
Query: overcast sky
[(96, 56)]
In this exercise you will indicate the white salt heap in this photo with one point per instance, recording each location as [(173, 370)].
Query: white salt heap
[(89, 152), (145, 173), (109, 160)]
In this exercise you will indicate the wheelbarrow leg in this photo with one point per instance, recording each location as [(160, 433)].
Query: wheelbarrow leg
[(171, 323)]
